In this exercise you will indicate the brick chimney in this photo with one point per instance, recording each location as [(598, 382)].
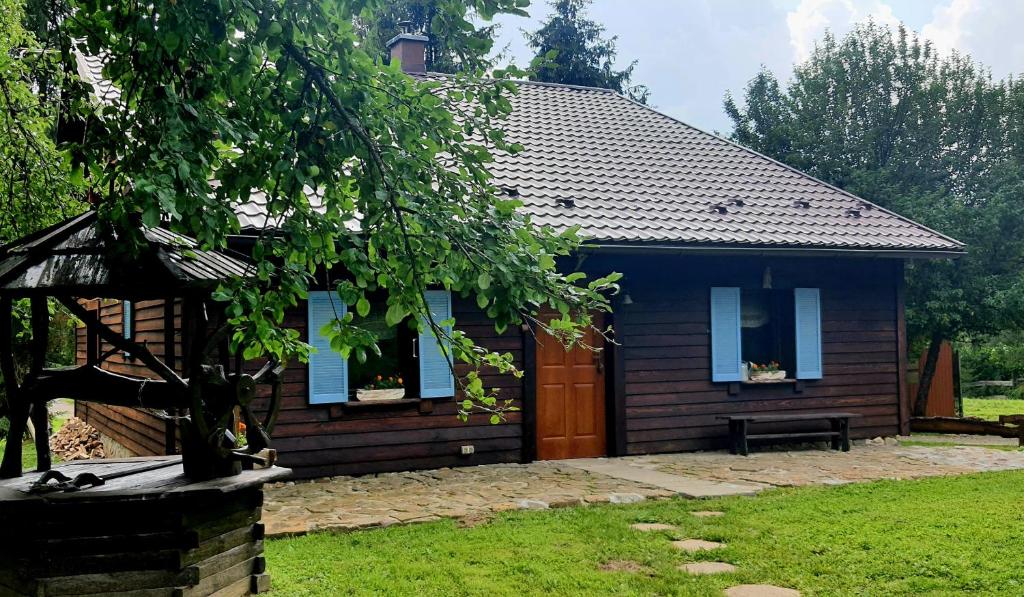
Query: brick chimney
[(409, 49)]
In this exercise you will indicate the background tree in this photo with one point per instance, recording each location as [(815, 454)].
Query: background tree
[(456, 41), (934, 138), (570, 49)]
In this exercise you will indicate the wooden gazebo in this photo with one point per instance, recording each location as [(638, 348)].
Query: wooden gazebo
[(82, 259)]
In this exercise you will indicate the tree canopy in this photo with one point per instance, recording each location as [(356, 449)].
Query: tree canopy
[(571, 49), (374, 183), (881, 114)]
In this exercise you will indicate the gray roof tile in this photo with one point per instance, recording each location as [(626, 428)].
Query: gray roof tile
[(637, 175)]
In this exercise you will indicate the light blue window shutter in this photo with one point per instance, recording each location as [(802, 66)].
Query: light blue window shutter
[(328, 371), (726, 360), (436, 379), (807, 302), (126, 319)]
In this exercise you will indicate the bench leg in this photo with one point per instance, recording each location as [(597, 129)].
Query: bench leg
[(742, 437), (836, 428), (844, 431)]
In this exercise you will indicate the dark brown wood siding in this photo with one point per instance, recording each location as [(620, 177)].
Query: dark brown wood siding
[(321, 440), (671, 403), (141, 432)]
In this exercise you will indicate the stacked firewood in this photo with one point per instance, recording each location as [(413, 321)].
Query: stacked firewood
[(76, 440)]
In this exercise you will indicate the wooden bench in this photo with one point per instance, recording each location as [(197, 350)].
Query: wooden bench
[(740, 436)]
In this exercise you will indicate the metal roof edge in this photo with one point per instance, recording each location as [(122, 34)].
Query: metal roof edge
[(773, 251)]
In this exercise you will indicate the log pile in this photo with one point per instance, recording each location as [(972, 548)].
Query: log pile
[(77, 440)]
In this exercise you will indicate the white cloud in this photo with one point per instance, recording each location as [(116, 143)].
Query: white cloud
[(988, 30), (809, 20)]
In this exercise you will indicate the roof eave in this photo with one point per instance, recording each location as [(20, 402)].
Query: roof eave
[(649, 248)]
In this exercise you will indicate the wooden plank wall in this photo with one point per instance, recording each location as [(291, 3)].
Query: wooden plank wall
[(141, 432), (671, 404), (322, 440)]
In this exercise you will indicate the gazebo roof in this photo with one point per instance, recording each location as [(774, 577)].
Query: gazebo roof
[(75, 258)]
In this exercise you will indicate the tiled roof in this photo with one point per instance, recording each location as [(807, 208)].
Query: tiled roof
[(75, 255), (627, 174), (633, 175)]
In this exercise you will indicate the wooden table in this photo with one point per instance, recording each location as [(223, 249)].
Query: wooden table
[(740, 436)]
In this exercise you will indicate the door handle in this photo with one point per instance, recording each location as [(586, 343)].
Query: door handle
[(599, 361)]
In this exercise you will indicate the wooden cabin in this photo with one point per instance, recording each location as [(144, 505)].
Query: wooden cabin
[(730, 259)]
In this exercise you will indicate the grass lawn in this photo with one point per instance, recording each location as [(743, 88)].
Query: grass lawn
[(942, 536), (991, 408), (28, 449)]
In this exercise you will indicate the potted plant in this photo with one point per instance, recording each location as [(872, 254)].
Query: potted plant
[(766, 372), (382, 388)]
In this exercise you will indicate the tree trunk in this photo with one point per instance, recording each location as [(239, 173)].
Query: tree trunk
[(927, 373)]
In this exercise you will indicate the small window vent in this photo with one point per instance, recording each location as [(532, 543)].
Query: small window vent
[(802, 204), (565, 202), (510, 190), (853, 212), (719, 208)]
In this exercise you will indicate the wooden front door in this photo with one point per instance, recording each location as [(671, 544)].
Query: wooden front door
[(570, 398)]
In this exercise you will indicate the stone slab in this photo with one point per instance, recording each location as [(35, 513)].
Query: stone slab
[(690, 487), (647, 527), (702, 568), (707, 514), (695, 545)]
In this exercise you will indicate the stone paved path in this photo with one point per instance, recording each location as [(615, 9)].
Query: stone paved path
[(349, 503)]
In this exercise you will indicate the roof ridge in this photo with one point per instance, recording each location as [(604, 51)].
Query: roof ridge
[(525, 82)]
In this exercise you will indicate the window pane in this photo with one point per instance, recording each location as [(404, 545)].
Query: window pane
[(767, 328), (381, 377)]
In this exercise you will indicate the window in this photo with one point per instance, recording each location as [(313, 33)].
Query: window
[(384, 376), (765, 326), (126, 319), (127, 324), (412, 364), (768, 328)]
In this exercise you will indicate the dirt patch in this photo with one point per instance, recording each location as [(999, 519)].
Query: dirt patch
[(474, 520), (626, 566)]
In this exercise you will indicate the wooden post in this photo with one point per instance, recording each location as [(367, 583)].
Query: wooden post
[(617, 420), (170, 425), (18, 409), (40, 417), (903, 391), (529, 425)]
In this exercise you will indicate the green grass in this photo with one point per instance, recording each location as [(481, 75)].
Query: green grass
[(965, 442), (990, 408), (28, 448), (941, 536)]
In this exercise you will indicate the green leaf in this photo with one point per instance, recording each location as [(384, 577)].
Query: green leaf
[(363, 306), (483, 281)]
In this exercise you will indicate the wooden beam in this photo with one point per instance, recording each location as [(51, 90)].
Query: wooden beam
[(90, 383), (119, 341)]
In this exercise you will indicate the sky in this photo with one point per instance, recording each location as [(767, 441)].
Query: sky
[(690, 52)]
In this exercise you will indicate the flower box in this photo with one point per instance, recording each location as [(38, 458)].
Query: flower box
[(767, 375), (389, 394)]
